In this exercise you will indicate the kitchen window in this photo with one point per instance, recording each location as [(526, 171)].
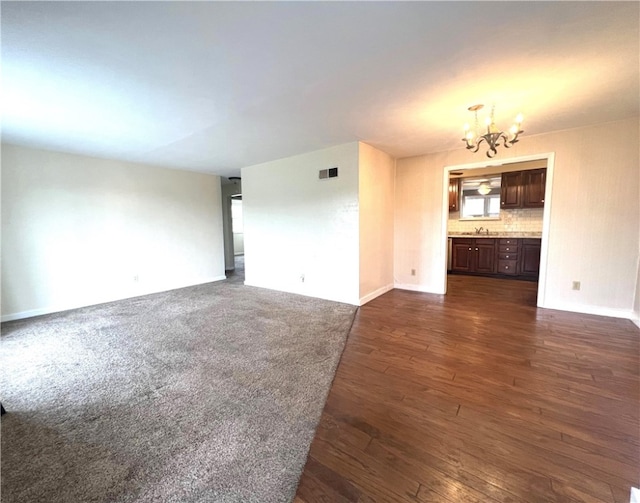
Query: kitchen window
[(480, 198)]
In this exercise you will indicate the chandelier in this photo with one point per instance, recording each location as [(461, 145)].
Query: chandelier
[(474, 138)]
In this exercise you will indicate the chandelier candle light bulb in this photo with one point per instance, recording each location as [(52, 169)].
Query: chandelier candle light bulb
[(492, 137)]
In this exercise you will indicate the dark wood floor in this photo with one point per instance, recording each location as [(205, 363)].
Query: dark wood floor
[(477, 396)]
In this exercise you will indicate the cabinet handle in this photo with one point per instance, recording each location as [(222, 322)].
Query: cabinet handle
[(476, 249), (508, 249), (542, 200), (506, 267), (507, 256), (469, 249)]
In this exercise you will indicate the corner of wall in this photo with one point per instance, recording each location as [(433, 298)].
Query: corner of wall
[(636, 304)]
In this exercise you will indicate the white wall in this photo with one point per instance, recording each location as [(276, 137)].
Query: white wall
[(78, 231), (418, 224), (376, 206), (594, 224), (297, 225), (238, 243)]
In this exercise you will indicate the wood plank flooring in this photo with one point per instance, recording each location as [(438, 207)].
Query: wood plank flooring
[(478, 396)]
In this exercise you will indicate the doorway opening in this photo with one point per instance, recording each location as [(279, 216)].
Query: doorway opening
[(232, 191), (510, 241), (237, 229)]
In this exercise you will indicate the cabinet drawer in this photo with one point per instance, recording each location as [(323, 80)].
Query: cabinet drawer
[(508, 256), (507, 248), (507, 266), (508, 241)]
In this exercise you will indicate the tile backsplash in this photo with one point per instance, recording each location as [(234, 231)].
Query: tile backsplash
[(517, 220)]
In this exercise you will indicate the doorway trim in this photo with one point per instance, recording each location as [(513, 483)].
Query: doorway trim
[(546, 214)]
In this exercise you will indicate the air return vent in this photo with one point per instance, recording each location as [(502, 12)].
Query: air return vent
[(328, 173)]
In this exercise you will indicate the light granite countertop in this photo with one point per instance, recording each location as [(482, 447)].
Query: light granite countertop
[(530, 235)]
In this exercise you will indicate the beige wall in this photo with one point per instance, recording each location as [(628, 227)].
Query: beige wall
[(330, 238), (300, 232), (78, 230), (594, 216), (376, 206)]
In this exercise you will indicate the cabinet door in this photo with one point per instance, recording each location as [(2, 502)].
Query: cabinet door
[(485, 256), (534, 182), (511, 190), (454, 194), (530, 257), (462, 252)]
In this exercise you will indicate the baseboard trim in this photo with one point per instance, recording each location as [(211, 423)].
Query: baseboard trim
[(414, 288), (30, 313), (313, 295), (595, 310), (376, 293)]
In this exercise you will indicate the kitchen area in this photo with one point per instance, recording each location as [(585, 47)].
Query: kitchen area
[(495, 220)]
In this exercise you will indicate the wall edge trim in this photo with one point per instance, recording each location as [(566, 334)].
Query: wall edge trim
[(610, 312), (30, 313), (376, 293), (416, 288)]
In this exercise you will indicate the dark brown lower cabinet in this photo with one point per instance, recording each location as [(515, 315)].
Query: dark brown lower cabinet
[(496, 257), (473, 255), (508, 249), (530, 261)]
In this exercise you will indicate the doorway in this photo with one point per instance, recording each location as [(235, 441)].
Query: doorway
[(479, 221), (237, 230)]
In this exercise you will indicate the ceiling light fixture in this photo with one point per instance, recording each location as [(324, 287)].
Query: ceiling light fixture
[(473, 138), (484, 189)]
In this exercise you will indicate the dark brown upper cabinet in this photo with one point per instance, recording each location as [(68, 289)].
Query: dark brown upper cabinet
[(523, 189), (454, 194), (511, 190), (534, 182)]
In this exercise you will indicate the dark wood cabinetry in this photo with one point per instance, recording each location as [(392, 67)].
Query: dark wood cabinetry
[(534, 182), (485, 250), (473, 255), (530, 261), (511, 190), (454, 194), (523, 189), (513, 257), (508, 254)]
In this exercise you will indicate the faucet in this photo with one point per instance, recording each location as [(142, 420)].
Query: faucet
[(478, 231), (487, 231)]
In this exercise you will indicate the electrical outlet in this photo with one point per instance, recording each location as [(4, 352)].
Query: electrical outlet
[(575, 285), (136, 278), (413, 272)]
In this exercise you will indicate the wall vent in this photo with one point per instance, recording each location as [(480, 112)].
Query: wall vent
[(328, 173)]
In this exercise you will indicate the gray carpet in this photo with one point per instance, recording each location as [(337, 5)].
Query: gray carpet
[(208, 393)]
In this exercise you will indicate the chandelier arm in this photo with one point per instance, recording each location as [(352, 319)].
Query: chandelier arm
[(471, 146), (481, 139), (507, 143), (515, 137)]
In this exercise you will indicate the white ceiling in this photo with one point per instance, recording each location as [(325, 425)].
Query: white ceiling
[(213, 86)]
